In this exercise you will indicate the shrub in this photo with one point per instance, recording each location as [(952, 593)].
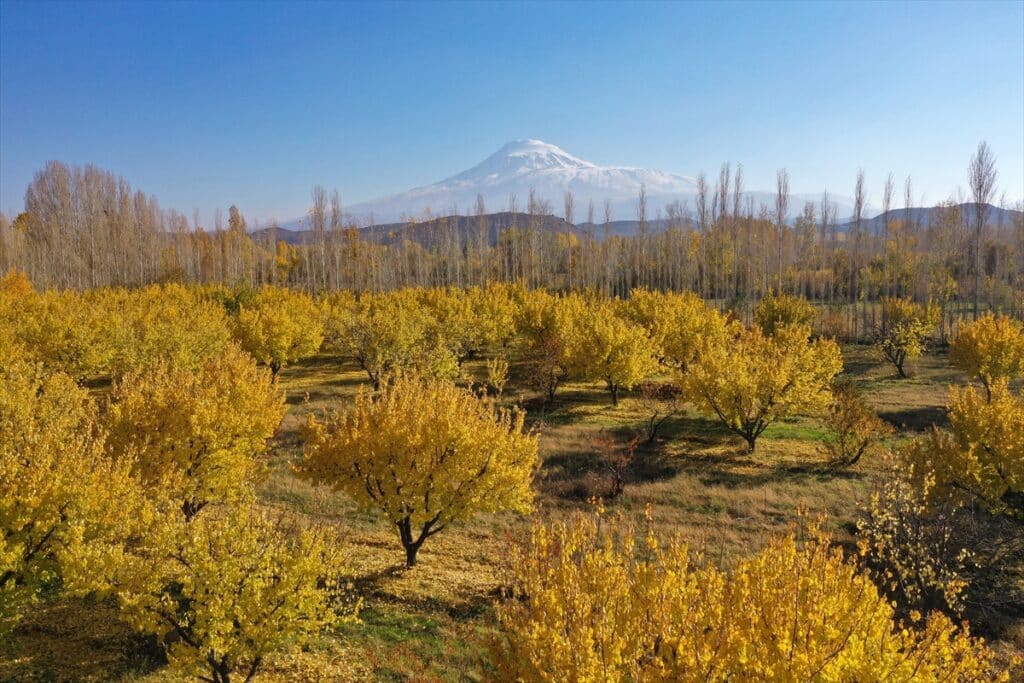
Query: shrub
[(854, 426), (593, 602), (279, 326), (64, 506), (231, 587), (775, 311)]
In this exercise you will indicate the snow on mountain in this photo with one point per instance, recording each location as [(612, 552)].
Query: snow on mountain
[(524, 165), (549, 171)]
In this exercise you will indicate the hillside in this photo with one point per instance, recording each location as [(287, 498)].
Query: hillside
[(433, 232)]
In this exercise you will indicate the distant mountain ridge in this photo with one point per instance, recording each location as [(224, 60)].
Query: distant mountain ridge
[(435, 231), (925, 215)]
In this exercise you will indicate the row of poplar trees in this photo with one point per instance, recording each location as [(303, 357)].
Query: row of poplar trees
[(85, 227)]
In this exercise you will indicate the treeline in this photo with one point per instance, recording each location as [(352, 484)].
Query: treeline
[(85, 228)]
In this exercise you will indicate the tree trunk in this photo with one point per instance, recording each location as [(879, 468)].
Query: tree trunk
[(411, 546), (219, 668), (410, 555)]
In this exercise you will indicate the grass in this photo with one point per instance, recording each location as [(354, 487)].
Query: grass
[(428, 624)]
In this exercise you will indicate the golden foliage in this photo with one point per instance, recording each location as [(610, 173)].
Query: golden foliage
[(468, 321), (57, 330), (990, 348), (751, 379), (778, 310), (425, 453), (903, 330), (612, 349), (114, 331), (168, 323), (393, 331), (915, 543), (15, 283), (548, 330), (195, 435), (497, 374), (232, 586), (64, 506), (279, 326), (677, 323), (981, 457), (593, 602)]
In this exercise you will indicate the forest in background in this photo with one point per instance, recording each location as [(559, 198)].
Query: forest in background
[(85, 227)]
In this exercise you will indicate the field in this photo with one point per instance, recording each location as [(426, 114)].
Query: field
[(427, 623)]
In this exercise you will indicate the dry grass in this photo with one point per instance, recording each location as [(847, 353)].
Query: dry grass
[(426, 624)]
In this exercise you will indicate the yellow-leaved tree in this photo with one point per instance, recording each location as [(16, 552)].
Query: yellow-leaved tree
[(778, 310), (391, 331), (592, 601), (279, 326), (160, 323), (548, 327), (677, 323), (904, 328), (58, 329), (990, 348), (612, 349), (195, 435), (424, 452), (231, 587), (750, 379), (468, 321), (981, 456), (65, 506)]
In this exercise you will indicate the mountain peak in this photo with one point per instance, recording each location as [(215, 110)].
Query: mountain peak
[(524, 156)]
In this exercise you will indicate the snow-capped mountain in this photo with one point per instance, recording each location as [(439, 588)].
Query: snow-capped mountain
[(549, 171)]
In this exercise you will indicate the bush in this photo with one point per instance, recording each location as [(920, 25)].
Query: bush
[(279, 326), (854, 426), (775, 311), (904, 328), (594, 601), (990, 348), (65, 507), (232, 586)]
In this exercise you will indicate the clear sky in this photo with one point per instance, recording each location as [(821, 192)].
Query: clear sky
[(253, 103)]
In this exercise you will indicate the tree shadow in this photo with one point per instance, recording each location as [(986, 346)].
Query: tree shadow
[(742, 472), (76, 639), (298, 398), (582, 473), (373, 585), (560, 410), (917, 419), (347, 373)]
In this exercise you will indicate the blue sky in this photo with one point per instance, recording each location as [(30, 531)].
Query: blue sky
[(253, 103)]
